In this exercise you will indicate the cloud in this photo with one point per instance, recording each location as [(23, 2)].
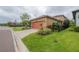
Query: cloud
[(10, 13), (35, 11), (61, 10)]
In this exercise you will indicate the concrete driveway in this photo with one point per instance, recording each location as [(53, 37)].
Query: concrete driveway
[(22, 34)]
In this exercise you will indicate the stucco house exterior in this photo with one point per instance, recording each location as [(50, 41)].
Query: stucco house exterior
[(76, 17), (46, 21)]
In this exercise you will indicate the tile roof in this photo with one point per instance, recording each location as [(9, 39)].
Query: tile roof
[(58, 17)]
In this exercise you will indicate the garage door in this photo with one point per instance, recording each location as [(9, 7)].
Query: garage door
[(37, 25)]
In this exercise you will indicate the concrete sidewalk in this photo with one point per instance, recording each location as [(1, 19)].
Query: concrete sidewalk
[(22, 34), (20, 46)]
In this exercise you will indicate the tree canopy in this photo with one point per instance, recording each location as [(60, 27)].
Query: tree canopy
[(25, 16)]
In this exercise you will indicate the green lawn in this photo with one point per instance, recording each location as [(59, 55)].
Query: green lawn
[(17, 28), (58, 41)]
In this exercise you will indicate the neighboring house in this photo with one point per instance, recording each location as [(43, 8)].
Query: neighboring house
[(47, 21), (76, 17)]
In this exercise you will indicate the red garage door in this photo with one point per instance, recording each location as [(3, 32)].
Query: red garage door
[(37, 25)]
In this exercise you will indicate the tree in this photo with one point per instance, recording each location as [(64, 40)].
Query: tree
[(56, 26), (66, 24), (25, 16), (25, 20), (9, 23)]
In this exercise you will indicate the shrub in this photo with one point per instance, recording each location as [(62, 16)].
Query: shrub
[(44, 31), (72, 24), (56, 27), (76, 29), (71, 28), (66, 24)]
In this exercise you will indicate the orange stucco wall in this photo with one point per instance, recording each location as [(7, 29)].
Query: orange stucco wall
[(38, 24), (42, 23)]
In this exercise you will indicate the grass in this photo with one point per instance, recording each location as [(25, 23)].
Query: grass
[(64, 41), (17, 28)]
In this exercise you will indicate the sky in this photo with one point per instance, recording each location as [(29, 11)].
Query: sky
[(12, 13)]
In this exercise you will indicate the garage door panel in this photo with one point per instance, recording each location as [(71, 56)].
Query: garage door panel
[(37, 25)]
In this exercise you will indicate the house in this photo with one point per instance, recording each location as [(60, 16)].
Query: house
[(46, 21), (60, 18), (76, 17)]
